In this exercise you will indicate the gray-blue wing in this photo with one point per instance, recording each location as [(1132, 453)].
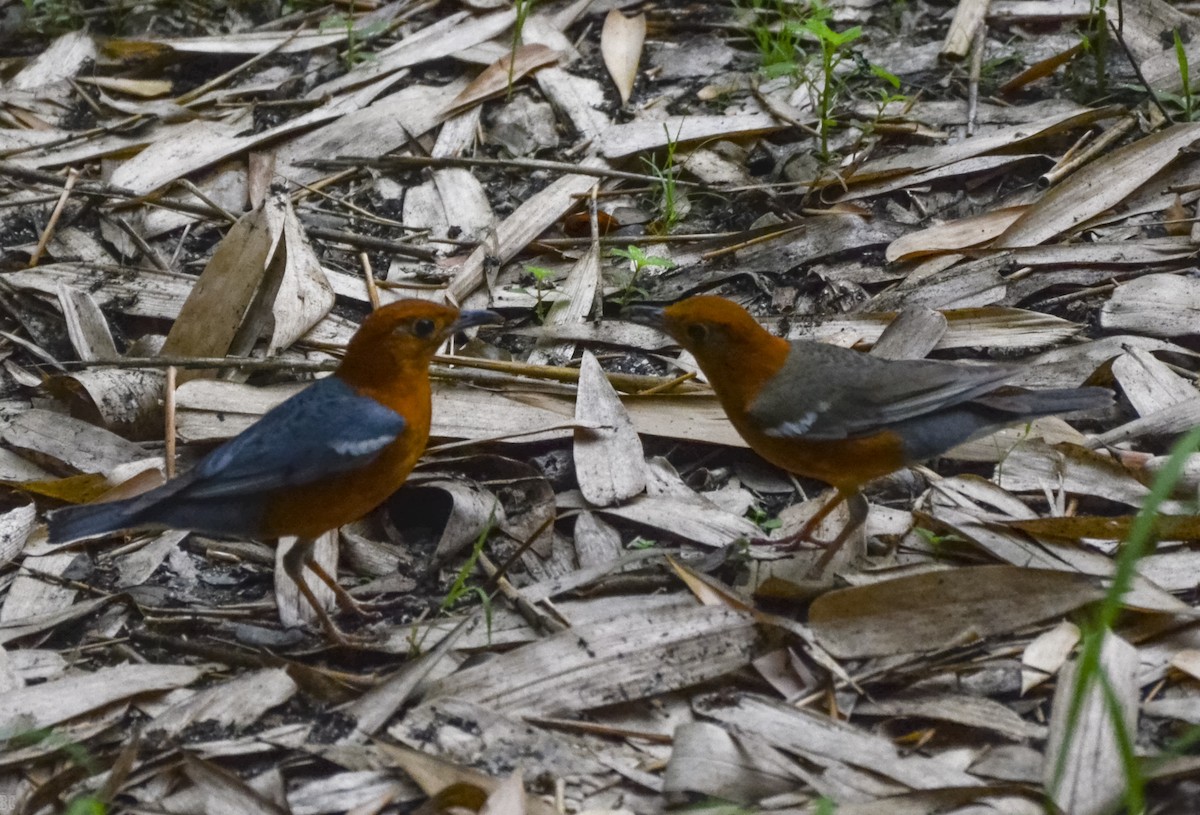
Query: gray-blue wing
[(324, 430), (825, 392)]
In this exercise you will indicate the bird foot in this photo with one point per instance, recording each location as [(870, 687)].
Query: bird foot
[(337, 636), (360, 609)]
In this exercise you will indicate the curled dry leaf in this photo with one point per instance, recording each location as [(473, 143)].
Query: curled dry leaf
[(621, 45)]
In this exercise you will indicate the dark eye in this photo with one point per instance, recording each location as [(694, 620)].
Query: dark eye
[(423, 328), (697, 332)]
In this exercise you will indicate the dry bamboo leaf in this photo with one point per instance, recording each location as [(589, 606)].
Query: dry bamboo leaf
[(535, 215), (579, 296), (127, 401), (508, 798), (1149, 384), (1078, 527), (224, 791), (30, 626), (1172, 571), (231, 44), (217, 307), (625, 139), (294, 609), (1161, 305), (236, 703), (479, 736), (502, 75), (472, 509), (141, 88), (829, 742), (34, 592), (447, 35), (912, 335), (918, 159), (972, 166), (1188, 661), (302, 295), (63, 442), (693, 518), (1037, 466), (63, 58), (435, 776), (579, 98), (609, 462), (59, 700), (16, 525), (953, 236), (1098, 186), (1168, 421), (943, 609), (977, 712), (1093, 775), (629, 657), (86, 326), (135, 568), (621, 46), (384, 126), (708, 760)]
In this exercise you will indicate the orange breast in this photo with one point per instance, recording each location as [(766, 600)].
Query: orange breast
[(315, 508), (844, 463)]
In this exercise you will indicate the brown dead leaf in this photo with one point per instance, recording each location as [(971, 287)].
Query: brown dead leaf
[(943, 609), (499, 76)]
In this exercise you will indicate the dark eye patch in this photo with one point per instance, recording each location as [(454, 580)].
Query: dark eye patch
[(423, 328), (697, 332)]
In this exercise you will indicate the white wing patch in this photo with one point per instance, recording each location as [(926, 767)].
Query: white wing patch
[(361, 447), (796, 427)]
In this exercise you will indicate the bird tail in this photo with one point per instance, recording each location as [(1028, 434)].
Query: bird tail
[(88, 520), (1045, 402)]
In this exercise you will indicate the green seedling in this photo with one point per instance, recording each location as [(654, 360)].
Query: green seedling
[(762, 519), (543, 281), (355, 37), (775, 29), (834, 49), (638, 260), (522, 8), (642, 543), (75, 753), (669, 197)]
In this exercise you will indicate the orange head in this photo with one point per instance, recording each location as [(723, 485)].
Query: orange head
[(736, 353), (397, 342)]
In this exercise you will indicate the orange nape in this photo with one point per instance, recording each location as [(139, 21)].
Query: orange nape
[(321, 459), (841, 416)]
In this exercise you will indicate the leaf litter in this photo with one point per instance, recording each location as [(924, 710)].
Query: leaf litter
[(178, 189)]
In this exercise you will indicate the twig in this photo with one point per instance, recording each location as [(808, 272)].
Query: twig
[(48, 232)]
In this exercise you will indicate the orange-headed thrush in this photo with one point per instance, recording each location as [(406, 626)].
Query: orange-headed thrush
[(321, 459), (841, 416)]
